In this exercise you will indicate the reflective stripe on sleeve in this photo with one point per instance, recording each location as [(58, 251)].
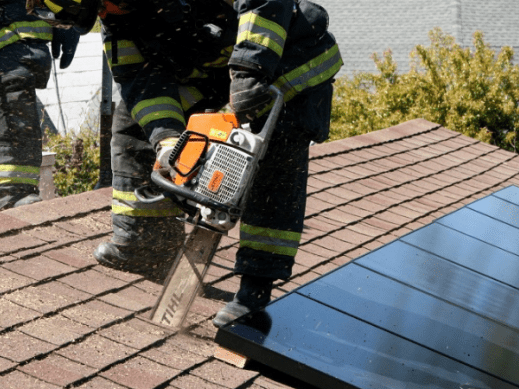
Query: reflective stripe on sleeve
[(256, 29), (221, 61), (127, 53), (189, 96), (159, 108), (314, 72), (22, 30)]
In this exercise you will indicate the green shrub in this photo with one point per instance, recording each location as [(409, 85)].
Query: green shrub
[(473, 92), (77, 161), (97, 26)]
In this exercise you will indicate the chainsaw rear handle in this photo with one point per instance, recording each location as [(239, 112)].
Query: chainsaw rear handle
[(273, 115), (144, 195)]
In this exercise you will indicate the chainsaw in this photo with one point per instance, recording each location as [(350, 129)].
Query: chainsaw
[(210, 173)]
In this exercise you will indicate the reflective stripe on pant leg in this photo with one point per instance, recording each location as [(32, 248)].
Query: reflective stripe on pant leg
[(23, 67), (269, 240), (153, 228), (131, 153), (272, 222), (13, 174), (137, 224), (125, 203)]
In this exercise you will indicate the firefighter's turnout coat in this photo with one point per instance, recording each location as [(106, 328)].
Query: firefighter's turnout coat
[(171, 58), (25, 64)]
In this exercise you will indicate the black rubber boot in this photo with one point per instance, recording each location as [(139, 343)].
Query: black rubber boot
[(254, 293), (16, 195), (145, 246), (138, 260), (31, 199)]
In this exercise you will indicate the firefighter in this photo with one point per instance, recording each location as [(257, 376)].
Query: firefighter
[(25, 64), (172, 58)]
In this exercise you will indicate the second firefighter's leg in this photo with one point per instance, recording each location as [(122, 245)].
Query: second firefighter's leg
[(272, 223), (146, 237), (20, 133)]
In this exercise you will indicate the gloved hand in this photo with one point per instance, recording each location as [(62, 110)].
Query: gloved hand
[(67, 41), (164, 150), (249, 93)]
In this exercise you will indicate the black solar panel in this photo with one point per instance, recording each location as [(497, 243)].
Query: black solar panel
[(437, 308)]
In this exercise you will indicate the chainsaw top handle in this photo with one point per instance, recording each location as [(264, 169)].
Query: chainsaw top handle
[(274, 113)]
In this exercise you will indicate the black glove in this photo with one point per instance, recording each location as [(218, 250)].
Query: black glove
[(249, 93), (67, 41)]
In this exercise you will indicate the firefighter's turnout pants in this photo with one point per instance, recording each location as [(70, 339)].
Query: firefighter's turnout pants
[(24, 67), (272, 223), (169, 69)]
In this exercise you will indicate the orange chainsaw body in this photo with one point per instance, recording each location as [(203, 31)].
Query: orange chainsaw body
[(216, 126)]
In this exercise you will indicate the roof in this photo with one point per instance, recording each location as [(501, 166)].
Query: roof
[(68, 322), (368, 26)]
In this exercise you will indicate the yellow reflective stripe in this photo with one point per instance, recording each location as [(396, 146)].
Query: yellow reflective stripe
[(269, 232), (129, 211), (312, 73), (17, 168), (127, 53), (55, 7), (21, 30), (196, 73), (19, 180), (264, 32), (16, 174), (126, 196), (261, 40), (11, 39), (52, 6), (159, 108), (259, 21), (221, 61), (189, 96), (269, 240), (269, 248), (317, 70), (126, 203)]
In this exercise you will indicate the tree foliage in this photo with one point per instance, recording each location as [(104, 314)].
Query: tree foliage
[(77, 161), (469, 90)]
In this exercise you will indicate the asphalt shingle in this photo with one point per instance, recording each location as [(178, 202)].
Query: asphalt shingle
[(58, 305)]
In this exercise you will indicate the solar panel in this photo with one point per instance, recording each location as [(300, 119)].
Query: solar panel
[(436, 308)]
